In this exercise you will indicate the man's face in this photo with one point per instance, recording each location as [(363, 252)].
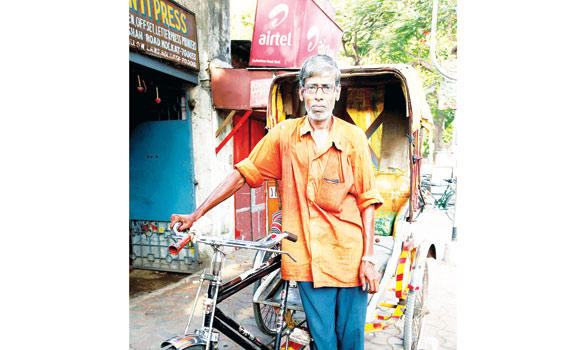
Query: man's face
[(319, 95)]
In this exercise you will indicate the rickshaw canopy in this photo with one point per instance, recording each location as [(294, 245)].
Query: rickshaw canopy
[(416, 105)]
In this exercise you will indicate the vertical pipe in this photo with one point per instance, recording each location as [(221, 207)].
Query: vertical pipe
[(216, 266), (194, 303), (280, 317)]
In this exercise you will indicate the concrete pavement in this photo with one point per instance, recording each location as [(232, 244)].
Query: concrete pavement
[(159, 315)]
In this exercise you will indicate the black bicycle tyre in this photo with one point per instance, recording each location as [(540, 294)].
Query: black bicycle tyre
[(450, 206), (415, 314), (265, 315), (193, 347)]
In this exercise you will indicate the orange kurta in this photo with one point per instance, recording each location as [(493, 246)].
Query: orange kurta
[(330, 243)]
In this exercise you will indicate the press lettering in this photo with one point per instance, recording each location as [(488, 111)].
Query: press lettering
[(183, 23), (170, 16), (163, 13), (142, 8), (133, 5), (156, 9), (149, 9)]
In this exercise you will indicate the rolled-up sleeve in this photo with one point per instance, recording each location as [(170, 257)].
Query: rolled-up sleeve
[(370, 197), (250, 172), (366, 191), (263, 161)]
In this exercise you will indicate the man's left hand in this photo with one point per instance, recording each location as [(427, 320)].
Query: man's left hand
[(369, 277)]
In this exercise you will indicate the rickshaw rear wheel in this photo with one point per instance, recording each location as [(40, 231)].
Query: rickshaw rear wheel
[(193, 347), (265, 315), (415, 312)]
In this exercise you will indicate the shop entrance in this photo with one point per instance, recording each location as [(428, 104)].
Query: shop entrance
[(161, 151), (161, 166)]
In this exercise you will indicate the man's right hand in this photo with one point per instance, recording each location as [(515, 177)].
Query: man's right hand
[(233, 182), (186, 219)]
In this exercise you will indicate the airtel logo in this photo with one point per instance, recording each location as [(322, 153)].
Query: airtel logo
[(314, 42), (274, 38), (312, 33), (278, 9)]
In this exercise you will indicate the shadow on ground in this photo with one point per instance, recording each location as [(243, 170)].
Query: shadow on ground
[(146, 281)]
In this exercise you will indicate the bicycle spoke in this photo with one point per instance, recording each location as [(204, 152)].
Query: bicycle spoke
[(269, 316)]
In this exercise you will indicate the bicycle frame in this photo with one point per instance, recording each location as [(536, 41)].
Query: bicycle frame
[(443, 201), (214, 318)]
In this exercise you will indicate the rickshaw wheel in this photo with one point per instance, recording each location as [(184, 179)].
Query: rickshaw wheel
[(415, 312), (265, 315), (194, 347)]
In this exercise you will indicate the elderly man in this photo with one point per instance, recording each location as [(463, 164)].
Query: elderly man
[(328, 200)]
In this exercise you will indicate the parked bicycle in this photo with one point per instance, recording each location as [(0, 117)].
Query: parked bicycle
[(206, 337), (445, 199)]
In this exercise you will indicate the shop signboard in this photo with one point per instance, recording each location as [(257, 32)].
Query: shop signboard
[(287, 32), (164, 29)]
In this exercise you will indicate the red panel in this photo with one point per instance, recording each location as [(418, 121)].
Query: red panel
[(286, 32), (258, 129), (276, 33), (258, 224), (243, 198), (251, 225), (224, 79), (244, 226), (259, 195), (241, 139), (319, 34), (226, 97)]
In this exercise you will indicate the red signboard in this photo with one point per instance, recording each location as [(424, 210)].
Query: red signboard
[(287, 32), (321, 34)]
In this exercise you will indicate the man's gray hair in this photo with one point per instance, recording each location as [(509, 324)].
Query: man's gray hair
[(319, 64)]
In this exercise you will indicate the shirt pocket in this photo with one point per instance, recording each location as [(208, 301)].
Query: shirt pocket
[(331, 194), (334, 184)]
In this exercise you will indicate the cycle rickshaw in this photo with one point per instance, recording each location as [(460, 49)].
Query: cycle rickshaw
[(388, 103)]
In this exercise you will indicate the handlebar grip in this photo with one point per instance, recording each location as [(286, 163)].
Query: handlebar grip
[(174, 249), (176, 227), (291, 237)]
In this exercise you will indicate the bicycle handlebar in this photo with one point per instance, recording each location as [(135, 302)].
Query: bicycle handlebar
[(291, 237), (174, 249), (185, 238)]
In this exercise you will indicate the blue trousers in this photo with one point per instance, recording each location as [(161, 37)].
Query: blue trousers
[(335, 316)]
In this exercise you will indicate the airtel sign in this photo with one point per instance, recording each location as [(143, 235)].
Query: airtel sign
[(289, 31)]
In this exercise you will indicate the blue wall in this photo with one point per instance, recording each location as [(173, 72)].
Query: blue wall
[(161, 170)]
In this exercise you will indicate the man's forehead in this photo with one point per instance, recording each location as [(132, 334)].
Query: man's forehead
[(324, 77)]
